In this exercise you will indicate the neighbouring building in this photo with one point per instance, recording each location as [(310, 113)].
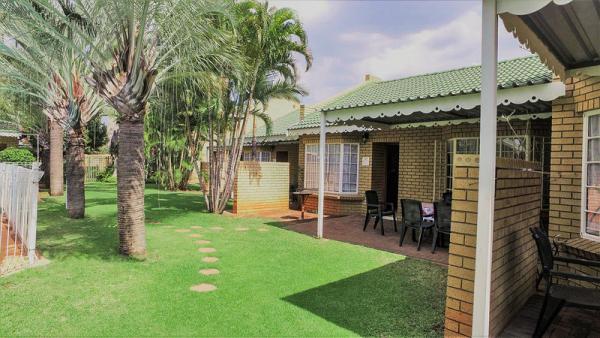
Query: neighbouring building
[(9, 135)]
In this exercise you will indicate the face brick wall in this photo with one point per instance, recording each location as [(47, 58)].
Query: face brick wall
[(582, 95), (417, 160), (261, 186), (517, 207)]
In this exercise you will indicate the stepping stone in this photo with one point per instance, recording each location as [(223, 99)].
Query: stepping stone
[(242, 229), (263, 229), (195, 235), (207, 250), (210, 259), (204, 287), (168, 226), (217, 228), (202, 241), (209, 272), (183, 230), (196, 227)]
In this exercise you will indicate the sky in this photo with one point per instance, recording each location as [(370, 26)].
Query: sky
[(389, 39)]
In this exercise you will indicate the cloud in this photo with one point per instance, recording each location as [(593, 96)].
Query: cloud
[(309, 11), (454, 44)]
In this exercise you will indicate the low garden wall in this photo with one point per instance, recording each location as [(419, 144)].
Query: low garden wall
[(260, 187), (514, 258)]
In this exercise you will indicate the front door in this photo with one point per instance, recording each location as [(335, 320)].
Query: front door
[(392, 164)]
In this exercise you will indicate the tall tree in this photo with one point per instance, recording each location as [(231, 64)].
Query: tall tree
[(133, 44), (44, 62), (269, 39)]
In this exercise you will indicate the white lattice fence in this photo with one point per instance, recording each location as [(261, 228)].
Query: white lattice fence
[(18, 209)]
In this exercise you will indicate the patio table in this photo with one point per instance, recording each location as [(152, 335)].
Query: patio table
[(302, 197), (582, 248)]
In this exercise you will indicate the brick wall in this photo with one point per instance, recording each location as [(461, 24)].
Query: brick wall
[(417, 158), (517, 207), (7, 142), (582, 94), (261, 186)]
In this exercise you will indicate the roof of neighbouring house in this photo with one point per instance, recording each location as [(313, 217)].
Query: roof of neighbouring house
[(9, 129), (513, 73), (278, 131)]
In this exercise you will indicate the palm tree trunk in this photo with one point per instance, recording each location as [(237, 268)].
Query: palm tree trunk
[(130, 188), (56, 159), (76, 175)]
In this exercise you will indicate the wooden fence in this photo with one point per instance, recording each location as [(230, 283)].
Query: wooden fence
[(96, 164)]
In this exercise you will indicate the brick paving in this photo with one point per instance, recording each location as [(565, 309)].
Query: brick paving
[(570, 322), (349, 229)]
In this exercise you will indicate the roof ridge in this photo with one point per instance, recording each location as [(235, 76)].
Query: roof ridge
[(454, 69)]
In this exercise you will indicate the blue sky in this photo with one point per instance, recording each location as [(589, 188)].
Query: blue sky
[(389, 39)]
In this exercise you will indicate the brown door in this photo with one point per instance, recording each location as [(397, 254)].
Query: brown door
[(281, 156), (392, 155)]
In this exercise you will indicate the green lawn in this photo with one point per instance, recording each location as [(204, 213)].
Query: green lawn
[(272, 283)]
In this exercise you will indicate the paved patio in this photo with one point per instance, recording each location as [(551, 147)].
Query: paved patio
[(570, 322), (349, 229)]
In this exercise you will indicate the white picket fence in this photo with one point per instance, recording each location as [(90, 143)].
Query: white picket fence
[(18, 207)]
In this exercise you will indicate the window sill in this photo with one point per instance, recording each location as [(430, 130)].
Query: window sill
[(583, 247)]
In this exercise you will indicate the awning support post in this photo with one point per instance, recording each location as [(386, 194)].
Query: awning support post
[(487, 170), (321, 201)]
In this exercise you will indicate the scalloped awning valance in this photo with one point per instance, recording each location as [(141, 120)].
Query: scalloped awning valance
[(564, 33), (511, 96)]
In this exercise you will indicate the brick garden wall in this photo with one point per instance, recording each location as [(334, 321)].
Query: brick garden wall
[(261, 186), (517, 207), (582, 95), (7, 142)]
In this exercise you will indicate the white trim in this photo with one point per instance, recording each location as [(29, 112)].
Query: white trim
[(518, 95), (340, 169), (344, 128), (487, 170), (531, 41), (589, 71), (523, 7), (584, 186)]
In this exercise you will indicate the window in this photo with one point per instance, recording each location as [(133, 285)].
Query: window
[(264, 156), (590, 206), (515, 147), (261, 156), (341, 167)]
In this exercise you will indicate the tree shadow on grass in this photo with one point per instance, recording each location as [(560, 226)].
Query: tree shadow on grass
[(404, 298), (60, 237)]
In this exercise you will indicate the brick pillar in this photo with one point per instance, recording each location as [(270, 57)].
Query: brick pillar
[(517, 208)]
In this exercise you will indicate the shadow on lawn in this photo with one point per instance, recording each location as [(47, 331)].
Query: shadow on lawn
[(404, 298), (96, 235)]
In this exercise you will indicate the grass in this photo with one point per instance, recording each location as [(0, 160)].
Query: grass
[(274, 283)]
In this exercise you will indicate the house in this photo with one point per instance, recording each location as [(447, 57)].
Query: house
[(373, 145), (496, 198), (9, 135)]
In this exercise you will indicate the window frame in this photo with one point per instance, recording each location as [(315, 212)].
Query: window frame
[(584, 176), (340, 184)]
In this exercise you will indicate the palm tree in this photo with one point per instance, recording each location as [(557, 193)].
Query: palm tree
[(131, 45), (40, 64), (269, 39)]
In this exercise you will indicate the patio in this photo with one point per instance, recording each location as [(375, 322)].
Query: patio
[(570, 322), (349, 229)]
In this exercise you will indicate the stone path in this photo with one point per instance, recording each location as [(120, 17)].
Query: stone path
[(207, 287)]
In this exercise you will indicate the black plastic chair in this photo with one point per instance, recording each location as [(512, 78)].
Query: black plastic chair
[(442, 219), (566, 295), (377, 210), (412, 217)]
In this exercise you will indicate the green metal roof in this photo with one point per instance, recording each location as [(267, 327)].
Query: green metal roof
[(519, 72), (281, 124)]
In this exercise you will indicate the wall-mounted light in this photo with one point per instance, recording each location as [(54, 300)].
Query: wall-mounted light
[(364, 138)]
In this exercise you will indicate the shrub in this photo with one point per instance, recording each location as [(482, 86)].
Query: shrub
[(106, 175), (16, 155)]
